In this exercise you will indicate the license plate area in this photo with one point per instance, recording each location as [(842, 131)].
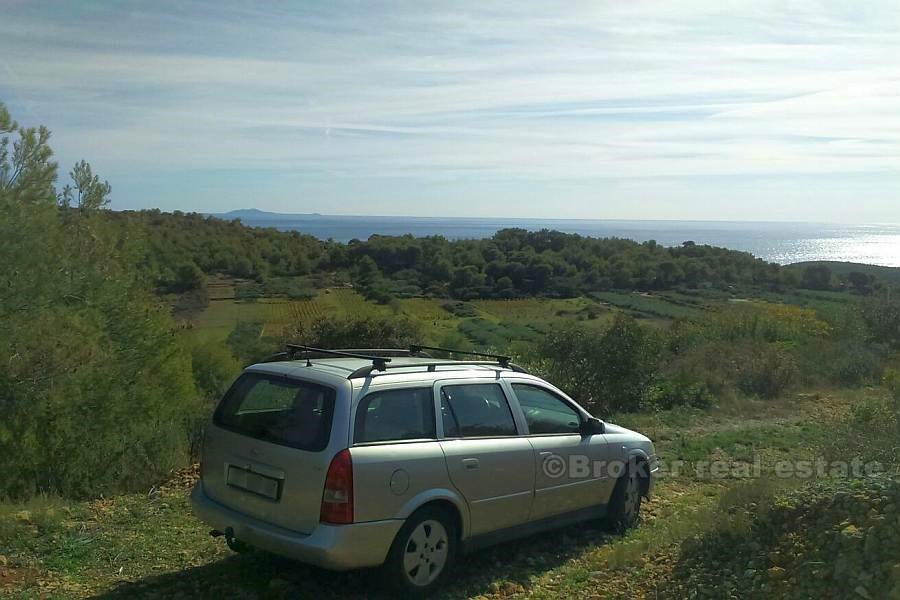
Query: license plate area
[(254, 483)]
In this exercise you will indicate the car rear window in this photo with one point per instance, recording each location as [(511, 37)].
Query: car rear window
[(276, 409), (403, 414)]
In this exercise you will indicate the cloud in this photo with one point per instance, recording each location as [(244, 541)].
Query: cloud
[(426, 93)]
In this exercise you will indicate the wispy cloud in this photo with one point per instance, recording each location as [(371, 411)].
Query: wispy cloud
[(470, 105)]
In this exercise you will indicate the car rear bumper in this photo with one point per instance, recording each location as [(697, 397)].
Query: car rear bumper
[(336, 547)]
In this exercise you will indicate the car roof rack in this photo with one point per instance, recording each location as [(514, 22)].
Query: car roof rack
[(363, 372), (379, 363), (417, 350), (380, 358), (290, 354), (377, 351), (503, 361)]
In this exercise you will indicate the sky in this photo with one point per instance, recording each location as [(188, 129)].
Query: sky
[(719, 110)]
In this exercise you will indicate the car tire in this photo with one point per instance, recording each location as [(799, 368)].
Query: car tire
[(624, 507), (238, 546), (422, 553)]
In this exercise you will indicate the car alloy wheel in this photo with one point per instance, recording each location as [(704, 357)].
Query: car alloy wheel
[(425, 553), (624, 506)]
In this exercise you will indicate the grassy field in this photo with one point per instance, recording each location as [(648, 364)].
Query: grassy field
[(652, 306), (485, 322), (217, 321), (149, 546)]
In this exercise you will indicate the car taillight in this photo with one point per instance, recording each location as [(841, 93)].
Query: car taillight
[(337, 499)]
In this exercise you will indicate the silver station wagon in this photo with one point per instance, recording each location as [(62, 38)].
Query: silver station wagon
[(362, 458)]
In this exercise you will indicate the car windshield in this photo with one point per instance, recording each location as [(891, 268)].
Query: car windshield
[(276, 409)]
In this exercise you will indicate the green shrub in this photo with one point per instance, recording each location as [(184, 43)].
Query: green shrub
[(871, 430), (94, 401), (358, 332), (754, 368), (607, 371), (182, 278), (881, 313), (817, 277), (301, 293), (290, 287), (764, 349), (247, 343), (248, 291), (379, 291), (214, 368), (856, 364), (487, 334), (455, 340), (191, 304), (756, 321), (892, 383), (460, 309), (765, 370), (671, 393), (833, 539)]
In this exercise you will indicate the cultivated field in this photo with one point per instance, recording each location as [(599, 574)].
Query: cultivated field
[(486, 323)]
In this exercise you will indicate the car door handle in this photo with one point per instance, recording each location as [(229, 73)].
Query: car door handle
[(471, 464)]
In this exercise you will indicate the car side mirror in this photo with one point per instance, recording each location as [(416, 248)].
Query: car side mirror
[(592, 426)]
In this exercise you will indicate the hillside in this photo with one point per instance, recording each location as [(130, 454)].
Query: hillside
[(842, 269), (148, 545)]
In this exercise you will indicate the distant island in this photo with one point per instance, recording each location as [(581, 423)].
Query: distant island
[(255, 213)]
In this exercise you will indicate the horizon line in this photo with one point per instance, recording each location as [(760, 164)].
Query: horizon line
[(491, 218)]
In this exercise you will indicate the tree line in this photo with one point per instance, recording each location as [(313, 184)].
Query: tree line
[(183, 248)]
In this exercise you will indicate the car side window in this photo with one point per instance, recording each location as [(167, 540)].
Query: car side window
[(545, 412), (476, 410), (404, 414)]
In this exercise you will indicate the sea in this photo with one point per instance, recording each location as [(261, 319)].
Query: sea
[(778, 242)]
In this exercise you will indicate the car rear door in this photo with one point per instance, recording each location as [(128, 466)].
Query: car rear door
[(396, 453), (569, 466), (268, 448), (489, 462)]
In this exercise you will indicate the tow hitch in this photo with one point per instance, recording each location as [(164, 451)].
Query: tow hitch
[(235, 544)]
